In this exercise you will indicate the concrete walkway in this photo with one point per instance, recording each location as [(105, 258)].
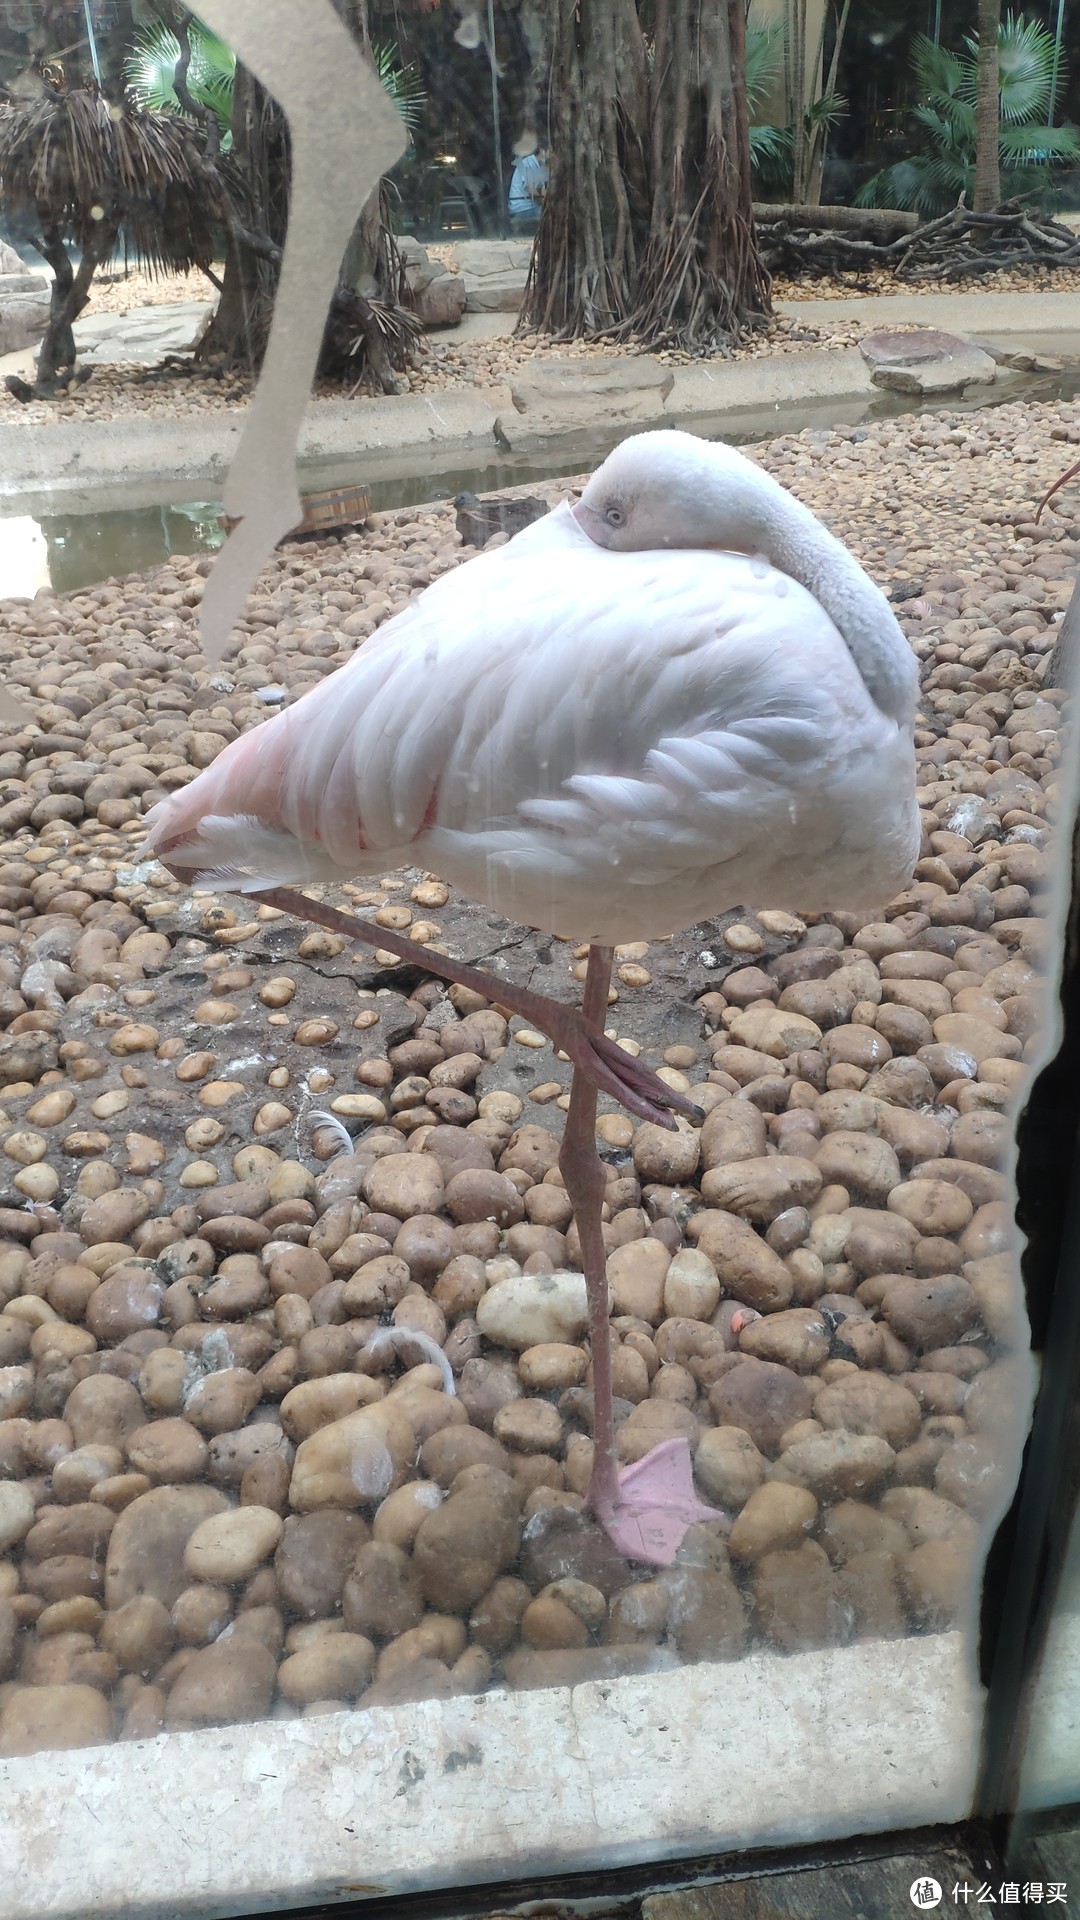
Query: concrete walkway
[(68, 464), (1034, 317)]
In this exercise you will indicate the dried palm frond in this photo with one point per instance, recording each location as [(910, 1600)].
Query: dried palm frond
[(73, 160)]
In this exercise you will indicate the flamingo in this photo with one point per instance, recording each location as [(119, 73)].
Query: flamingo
[(680, 695)]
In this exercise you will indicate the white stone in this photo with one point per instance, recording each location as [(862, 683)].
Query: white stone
[(529, 1309), (353, 1461), (16, 1513), (229, 1546), (691, 1288)]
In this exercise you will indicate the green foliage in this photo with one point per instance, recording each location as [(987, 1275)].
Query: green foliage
[(1030, 146), (402, 83), (772, 149), (150, 67)]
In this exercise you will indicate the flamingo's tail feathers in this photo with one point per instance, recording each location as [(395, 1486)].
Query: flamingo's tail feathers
[(235, 853)]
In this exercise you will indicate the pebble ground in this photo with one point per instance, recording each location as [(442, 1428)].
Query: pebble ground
[(193, 1261)]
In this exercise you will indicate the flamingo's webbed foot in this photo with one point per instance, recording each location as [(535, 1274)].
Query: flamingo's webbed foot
[(655, 1504)]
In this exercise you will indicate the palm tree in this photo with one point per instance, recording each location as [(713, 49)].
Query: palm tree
[(1027, 143), (987, 87), (370, 333), (150, 72), (92, 175)]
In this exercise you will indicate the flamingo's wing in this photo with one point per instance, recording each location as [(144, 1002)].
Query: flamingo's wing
[(669, 708), (671, 704)]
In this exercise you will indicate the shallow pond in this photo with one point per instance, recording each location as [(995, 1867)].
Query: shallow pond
[(122, 533)]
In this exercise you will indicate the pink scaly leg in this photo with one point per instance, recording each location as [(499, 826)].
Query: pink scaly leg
[(645, 1510), (601, 1060)]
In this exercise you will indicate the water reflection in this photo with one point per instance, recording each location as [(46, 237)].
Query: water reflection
[(24, 557), (80, 548)]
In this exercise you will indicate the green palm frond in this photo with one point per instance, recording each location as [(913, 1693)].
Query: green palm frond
[(150, 66), (763, 62), (826, 110), (402, 83), (1025, 69), (932, 181), (770, 143), (938, 73), (1037, 144)]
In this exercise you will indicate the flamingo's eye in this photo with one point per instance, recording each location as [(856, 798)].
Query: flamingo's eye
[(615, 516)]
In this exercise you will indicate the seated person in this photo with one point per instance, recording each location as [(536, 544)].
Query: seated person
[(528, 183)]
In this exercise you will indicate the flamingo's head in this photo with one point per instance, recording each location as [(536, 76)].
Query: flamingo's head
[(670, 489)]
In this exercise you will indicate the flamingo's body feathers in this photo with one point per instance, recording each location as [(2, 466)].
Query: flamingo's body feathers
[(609, 745)]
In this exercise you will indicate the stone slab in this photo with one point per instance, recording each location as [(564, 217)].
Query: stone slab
[(992, 314), (556, 398), (496, 292), (441, 1794), (24, 309), (778, 380), (553, 381), (953, 375), (480, 258), (495, 272), (143, 335), (440, 302), (928, 360)]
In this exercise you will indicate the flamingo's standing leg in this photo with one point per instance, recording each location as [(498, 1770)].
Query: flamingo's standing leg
[(646, 1509), (583, 1171), (613, 1071)]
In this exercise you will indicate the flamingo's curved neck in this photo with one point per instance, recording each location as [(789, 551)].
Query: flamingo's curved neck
[(799, 545)]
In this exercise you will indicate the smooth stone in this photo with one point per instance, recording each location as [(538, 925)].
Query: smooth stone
[(532, 1309), (146, 1546), (356, 1461), (229, 1546)]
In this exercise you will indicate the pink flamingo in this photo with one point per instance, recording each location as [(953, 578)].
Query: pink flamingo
[(678, 696)]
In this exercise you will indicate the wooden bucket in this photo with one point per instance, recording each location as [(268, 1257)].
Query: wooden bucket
[(326, 511)]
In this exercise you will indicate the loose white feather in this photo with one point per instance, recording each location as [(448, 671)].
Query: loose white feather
[(397, 1337)]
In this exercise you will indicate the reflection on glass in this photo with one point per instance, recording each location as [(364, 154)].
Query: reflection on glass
[(297, 1394)]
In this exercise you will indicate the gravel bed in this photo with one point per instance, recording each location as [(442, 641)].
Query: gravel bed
[(117, 291), (217, 1499)]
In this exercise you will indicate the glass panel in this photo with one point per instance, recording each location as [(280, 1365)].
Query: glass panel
[(445, 1434)]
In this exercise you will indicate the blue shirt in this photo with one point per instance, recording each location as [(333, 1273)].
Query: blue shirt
[(527, 181)]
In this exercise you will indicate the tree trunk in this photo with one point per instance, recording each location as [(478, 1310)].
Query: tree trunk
[(372, 265), (70, 294), (647, 227), (260, 157), (594, 217), (988, 82), (819, 133), (882, 222)]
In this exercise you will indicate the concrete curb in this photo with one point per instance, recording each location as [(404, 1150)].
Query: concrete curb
[(765, 1751)]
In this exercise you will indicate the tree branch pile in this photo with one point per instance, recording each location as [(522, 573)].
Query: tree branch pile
[(804, 244)]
